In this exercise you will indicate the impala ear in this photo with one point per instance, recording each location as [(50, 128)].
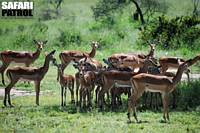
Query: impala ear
[(85, 56), (52, 52), (45, 42), (35, 41), (85, 59)]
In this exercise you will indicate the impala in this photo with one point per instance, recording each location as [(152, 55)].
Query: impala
[(31, 74), (19, 57), (174, 62), (154, 83), (152, 70), (111, 78), (86, 64), (131, 60), (67, 56), (66, 81), (87, 82)]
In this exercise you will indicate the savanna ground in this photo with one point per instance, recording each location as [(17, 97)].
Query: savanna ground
[(76, 20)]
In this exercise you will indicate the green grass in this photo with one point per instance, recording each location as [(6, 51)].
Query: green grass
[(50, 117)]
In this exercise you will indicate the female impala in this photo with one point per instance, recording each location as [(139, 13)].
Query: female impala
[(154, 83), (19, 57), (173, 62), (67, 56), (115, 78), (31, 74), (88, 64), (130, 60), (66, 81)]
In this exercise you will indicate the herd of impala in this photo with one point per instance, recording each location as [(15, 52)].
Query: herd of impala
[(117, 77)]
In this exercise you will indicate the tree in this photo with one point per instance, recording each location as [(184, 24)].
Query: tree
[(105, 9), (195, 11)]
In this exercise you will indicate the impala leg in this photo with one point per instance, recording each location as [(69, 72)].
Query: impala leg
[(81, 96), (65, 92), (108, 97), (112, 97), (92, 91), (88, 97), (96, 93), (71, 88), (77, 89), (37, 88), (131, 105), (62, 92), (27, 65), (138, 91), (165, 107), (151, 100), (85, 94), (7, 92), (2, 70), (100, 97), (187, 72)]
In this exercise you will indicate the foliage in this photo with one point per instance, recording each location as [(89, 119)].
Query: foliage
[(188, 95), (173, 33), (150, 7), (69, 36), (106, 9)]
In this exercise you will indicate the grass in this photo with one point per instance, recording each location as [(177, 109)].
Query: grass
[(50, 117)]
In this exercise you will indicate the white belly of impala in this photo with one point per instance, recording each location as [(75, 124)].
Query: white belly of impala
[(154, 88)]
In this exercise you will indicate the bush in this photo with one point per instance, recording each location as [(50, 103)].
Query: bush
[(22, 39), (69, 37), (173, 33), (105, 10), (188, 95)]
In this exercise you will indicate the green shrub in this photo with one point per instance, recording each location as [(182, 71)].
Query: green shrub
[(69, 37), (22, 39), (188, 94), (173, 33)]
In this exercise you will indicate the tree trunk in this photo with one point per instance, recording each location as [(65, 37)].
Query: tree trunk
[(139, 11)]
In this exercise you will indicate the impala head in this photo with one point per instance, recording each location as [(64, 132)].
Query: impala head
[(40, 44), (152, 46), (114, 61), (183, 66), (95, 44), (50, 56)]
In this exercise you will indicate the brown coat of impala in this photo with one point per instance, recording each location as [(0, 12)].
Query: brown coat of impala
[(154, 83), (111, 78), (130, 60), (67, 56), (66, 82), (85, 64), (19, 57), (87, 82), (30, 74), (174, 62)]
